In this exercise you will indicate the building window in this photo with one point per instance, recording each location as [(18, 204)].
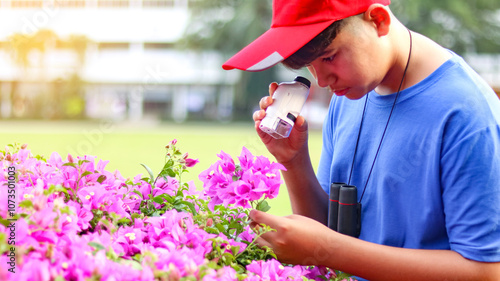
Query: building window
[(100, 3), (157, 3), (158, 46), (113, 3), (193, 3), (26, 3), (41, 3), (70, 3), (113, 46)]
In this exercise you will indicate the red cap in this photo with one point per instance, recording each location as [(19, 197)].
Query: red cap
[(294, 24)]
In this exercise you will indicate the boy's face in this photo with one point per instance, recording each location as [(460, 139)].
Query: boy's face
[(355, 62)]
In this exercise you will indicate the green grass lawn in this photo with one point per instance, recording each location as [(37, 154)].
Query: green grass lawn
[(126, 146)]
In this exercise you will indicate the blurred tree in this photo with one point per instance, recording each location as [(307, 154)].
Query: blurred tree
[(44, 39), (21, 46), (71, 96), (227, 26), (65, 97), (79, 44), (460, 25)]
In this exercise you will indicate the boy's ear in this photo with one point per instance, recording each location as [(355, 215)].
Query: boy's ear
[(380, 18)]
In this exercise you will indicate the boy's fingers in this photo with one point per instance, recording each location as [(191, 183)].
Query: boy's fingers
[(265, 102), (259, 115), (259, 217), (272, 88), (262, 242), (301, 123)]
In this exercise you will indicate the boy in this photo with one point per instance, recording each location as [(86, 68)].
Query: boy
[(410, 124)]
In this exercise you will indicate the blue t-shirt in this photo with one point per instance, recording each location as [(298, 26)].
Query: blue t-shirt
[(436, 181)]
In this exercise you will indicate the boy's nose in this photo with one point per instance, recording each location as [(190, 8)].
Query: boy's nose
[(323, 79)]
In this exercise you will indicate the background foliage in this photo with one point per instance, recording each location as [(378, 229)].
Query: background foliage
[(460, 25)]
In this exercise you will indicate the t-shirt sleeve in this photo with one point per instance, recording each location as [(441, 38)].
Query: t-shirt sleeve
[(471, 193)]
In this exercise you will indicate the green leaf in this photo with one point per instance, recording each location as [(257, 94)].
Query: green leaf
[(159, 199), (150, 172), (132, 263), (54, 188), (169, 172), (123, 221), (81, 161), (40, 158), (227, 258), (212, 230), (220, 227), (167, 169), (191, 207), (263, 206), (111, 254), (70, 164), (236, 225), (235, 250), (101, 178), (26, 204), (66, 210), (96, 246), (86, 173), (168, 164), (4, 222), (138, 193), (342, 275), (135, 215)]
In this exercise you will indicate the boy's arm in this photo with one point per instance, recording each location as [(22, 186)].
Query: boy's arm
[(306, 195), (378, 262), (300, 240)]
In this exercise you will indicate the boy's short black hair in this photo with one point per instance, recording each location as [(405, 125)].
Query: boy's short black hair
[(315, 47)]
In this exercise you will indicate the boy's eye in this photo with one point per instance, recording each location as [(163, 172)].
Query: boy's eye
[(328, 59)]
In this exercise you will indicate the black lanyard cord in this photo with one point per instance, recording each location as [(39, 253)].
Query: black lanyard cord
[(386, 125)]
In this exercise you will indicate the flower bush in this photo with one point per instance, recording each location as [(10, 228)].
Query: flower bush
[(74, 220)]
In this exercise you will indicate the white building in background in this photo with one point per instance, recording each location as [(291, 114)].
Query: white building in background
[(132, 69)]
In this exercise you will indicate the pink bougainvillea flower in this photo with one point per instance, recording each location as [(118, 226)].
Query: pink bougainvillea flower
[(319, 273), (273, 270), (39, 270), (246, 159), (80, 222), (191, 162), (224, 274), (226, 163), (247, 234), (227, 183), (55, 160)]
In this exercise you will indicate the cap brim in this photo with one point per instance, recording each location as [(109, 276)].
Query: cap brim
[(275, 45)]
